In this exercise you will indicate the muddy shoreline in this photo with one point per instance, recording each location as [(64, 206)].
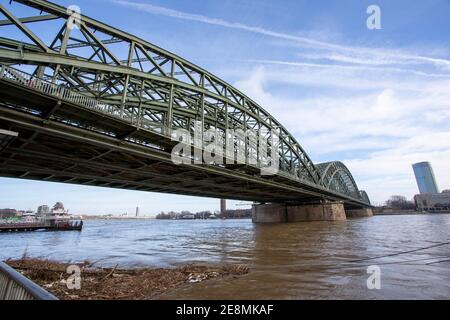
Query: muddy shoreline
[(117, 283)]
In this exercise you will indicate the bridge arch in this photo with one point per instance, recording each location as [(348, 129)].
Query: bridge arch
[(336, 176), (151, 89)]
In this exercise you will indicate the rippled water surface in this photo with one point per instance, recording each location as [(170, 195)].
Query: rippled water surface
[(313, 260)]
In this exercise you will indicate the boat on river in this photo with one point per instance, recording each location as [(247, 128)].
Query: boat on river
[(51, 223)]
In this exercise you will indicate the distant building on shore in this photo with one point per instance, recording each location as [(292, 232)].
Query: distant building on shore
[(429, 199), (58, 209), (237, 214), (27, 213), (43, 210), (433, 202), (425, 178), (8, 213)]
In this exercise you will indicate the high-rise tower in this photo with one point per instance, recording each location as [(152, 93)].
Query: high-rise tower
[(425, 177)]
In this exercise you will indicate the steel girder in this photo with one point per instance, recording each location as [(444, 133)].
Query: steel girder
[(336, 176), (99, 67), (6, 137)]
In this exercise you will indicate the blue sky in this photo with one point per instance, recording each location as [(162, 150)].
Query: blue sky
[(378, 100)]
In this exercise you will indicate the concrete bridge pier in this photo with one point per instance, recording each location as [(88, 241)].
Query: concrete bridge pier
[(282, 212), (359, 212)]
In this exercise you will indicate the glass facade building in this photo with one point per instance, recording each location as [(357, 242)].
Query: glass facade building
[(425, 177)]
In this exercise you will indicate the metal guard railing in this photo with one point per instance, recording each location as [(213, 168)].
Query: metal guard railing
[(69, 95), (14, 286)]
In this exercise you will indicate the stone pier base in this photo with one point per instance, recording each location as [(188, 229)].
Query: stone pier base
[(327, 211), (359, 213), (330, 211), (274, 212)]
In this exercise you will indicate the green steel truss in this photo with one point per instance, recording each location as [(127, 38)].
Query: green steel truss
[(106, 70)]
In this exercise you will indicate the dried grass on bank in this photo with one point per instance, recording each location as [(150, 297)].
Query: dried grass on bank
[(117, 283)]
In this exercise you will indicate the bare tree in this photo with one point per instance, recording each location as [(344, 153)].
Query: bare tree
[(400, 203)]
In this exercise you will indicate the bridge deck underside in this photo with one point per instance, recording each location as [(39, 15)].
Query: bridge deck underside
[(95, 149)]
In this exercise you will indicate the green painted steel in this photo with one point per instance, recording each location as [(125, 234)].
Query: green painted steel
[(106, 70)]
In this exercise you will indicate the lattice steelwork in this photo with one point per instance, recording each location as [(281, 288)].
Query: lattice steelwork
[(336, 176), (143, 92)]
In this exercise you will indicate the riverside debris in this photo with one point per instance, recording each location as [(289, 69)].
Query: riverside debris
[(117, 283)]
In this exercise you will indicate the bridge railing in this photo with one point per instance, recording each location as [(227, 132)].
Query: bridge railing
[(69, 95), (14, 286), (46, 87)]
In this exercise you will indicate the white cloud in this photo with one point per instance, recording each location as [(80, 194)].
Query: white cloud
[(159, 10), (373, 66), (376, 57), (352, 54), (391, 128), (389, 172)]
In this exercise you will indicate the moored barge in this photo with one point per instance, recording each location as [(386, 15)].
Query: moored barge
[(49, 225)]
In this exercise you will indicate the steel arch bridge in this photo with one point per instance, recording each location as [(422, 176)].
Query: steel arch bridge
[(83, 102)]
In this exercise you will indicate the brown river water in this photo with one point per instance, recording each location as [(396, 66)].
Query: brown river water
[(312, 260)]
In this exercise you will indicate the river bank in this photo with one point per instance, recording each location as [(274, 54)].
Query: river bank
[(117, 283), (391, 212)]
